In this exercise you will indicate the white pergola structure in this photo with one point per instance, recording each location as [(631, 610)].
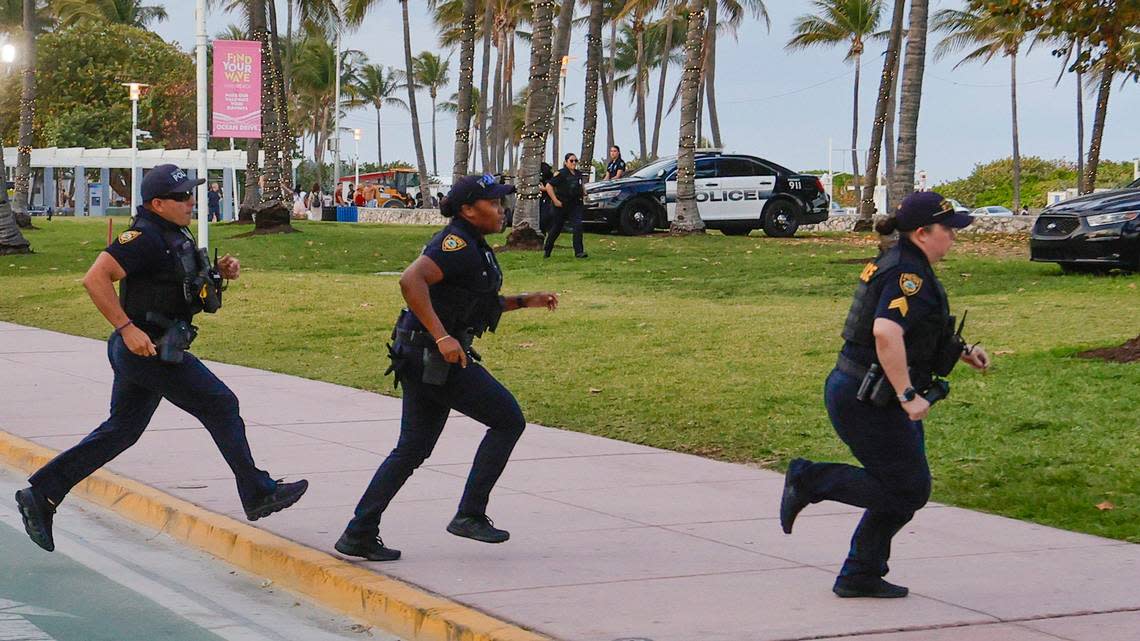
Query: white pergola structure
[(93, 201)]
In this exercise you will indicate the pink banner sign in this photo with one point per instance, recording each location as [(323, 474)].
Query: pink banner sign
[(237, 89)]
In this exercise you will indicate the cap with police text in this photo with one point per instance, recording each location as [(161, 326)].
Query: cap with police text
[(926, 208), (468, 189), (167, 179)]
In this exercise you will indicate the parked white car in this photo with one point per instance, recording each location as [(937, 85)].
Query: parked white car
[(992, 210)]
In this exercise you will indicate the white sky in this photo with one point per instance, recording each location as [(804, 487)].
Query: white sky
[(772, 103)]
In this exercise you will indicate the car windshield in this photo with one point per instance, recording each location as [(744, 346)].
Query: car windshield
[(655, 170)]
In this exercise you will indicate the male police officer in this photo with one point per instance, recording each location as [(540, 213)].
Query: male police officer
[(165, 281)]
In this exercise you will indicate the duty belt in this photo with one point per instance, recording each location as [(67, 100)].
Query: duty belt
[(420, 338), (850, 367)]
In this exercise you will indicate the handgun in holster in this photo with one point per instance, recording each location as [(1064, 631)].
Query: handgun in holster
[(176, 338)]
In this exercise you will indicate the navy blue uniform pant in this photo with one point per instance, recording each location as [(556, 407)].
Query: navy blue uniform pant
[(470, 390), (893, 483), (140, 384), (563, 215)]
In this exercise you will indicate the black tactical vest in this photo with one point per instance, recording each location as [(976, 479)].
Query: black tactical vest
[(178, 288), (922, 340), (470, 310)]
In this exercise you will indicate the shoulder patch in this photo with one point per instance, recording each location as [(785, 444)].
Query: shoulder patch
[(128, 236), (453, 243), (910, 283), (900, 304), (868, 271)]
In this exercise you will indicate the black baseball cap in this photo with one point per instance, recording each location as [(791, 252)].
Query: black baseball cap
[(468, 189), (166, 179), (926, 208)]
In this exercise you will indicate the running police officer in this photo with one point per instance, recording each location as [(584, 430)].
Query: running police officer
[(452, 295), (899, 326), (165, 281)]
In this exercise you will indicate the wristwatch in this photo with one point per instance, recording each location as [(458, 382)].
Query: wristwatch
[(908, 394)]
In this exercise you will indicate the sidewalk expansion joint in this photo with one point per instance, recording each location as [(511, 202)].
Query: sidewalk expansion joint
[(407, 611)]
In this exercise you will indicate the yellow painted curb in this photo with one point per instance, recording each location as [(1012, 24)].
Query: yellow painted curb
[(402, 609)]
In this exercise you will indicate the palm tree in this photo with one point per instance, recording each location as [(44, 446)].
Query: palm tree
[(465, 103), (902, 175), (451, 106), (11, 240), (535, 128), (688, 217), (638, 12), (129, 12), (890, 68), (376, 86), (27, 102), (734, 10), (670, 22), (432, 73), (848, 22), (593, 72), (987, 34), (560, 47)]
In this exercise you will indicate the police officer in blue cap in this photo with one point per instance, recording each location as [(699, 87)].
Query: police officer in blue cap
[(899, 337), (163, 281), (452, 295)]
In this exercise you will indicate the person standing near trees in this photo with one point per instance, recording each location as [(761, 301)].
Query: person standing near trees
[(616, 167), (899, 336), (452, 295), (566, 192)]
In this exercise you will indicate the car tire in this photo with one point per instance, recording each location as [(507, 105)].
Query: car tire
[(736, 231), (393, 204), (637, 218), (781, 218)]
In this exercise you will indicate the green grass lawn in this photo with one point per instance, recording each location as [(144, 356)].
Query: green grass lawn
[(712, 345)]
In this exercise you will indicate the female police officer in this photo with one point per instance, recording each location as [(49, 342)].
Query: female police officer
[(899, 325), (452, 293)]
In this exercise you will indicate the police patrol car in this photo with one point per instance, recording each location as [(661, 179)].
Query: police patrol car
[(735, 193)]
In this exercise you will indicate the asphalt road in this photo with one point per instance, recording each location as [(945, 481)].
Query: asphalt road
[(111, 581)]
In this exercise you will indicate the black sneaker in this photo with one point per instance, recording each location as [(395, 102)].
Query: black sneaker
[(285, 495), (479, 528), (870, 586), (373, 550), (792, 501), (37, 513), (582, 255)]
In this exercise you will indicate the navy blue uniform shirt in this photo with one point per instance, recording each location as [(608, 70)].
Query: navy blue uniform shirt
[(614, 167), (138, 250), (466, 260)]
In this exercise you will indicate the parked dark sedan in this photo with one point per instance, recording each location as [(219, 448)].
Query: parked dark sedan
[(1092, 233)]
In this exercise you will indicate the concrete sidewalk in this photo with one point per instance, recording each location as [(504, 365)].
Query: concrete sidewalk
[(609, 540)]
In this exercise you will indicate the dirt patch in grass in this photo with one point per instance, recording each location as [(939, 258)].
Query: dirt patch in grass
[(1129, 352)]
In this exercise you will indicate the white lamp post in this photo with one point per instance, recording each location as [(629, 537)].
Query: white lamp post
[(8, 54), (135, 90), (356, 155)]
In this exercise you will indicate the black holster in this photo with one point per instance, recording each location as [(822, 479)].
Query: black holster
[(175, 340)]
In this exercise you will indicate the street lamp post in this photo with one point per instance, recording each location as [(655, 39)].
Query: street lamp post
[(135, 90), (561, 102), (356, 155), (336, 98)]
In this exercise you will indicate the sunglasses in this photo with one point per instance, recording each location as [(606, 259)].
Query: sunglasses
[(179, 196), (572, 161)]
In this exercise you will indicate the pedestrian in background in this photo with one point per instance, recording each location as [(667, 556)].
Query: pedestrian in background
[(566, 193), (214, 203)]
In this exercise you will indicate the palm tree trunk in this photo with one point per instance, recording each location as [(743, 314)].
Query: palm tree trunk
[(560, 48), (608, 87), (1080, 125), (910, 101), (509, 96), (27, 107), (379, 147), (1016, 143), (11, 240), (593, 64), (272, 212), (466, 80), (670, 12), (252, 197), (855, 125), (639, 87), (420, 163), (485, 76), (688, 217), (710, 74), (536, 123), (1098, 124), (889, 133), (284, 138), (497, 106), (890, 66), (434, 154)]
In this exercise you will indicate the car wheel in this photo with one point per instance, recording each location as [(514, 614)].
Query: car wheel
[(392, 204), (736, 231), (637, 218), (781, 219)]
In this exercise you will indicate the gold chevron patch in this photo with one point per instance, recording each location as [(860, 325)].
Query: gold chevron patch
[(868, 272), (900, 304)]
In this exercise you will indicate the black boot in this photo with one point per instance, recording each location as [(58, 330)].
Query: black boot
[(867, 586), (792, 501), (479, 528), (37, 513), (283, 496), (373, 550)]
